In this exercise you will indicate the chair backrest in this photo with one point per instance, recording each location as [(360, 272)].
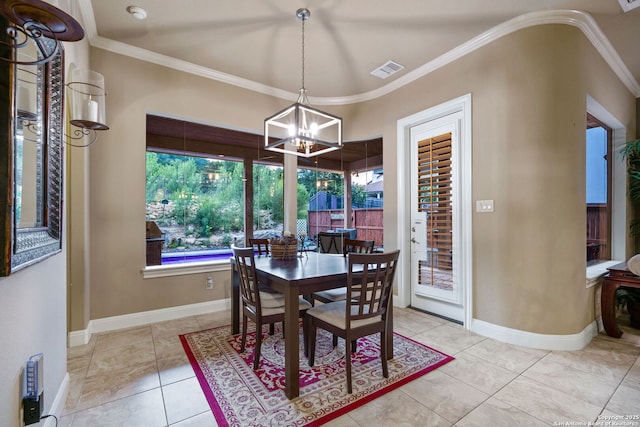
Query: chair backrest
[(249, 286), (332, 243), (370, 284), (261, 244), (357, 246)]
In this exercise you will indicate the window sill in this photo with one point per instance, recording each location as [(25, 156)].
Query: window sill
[(595, 272), (155, 271)]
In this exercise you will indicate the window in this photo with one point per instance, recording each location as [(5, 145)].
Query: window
[(209, 187), (196, 203), (325, 195), (598, 191), (367, 204), (268, 214)]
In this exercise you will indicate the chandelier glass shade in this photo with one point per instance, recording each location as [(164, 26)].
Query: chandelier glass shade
[(301, 129)]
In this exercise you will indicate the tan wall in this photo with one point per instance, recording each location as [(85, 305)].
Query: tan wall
[(529, 103), (529, 255), (33, 314), (529, 97)]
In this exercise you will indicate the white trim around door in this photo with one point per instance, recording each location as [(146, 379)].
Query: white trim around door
[(460, 105)]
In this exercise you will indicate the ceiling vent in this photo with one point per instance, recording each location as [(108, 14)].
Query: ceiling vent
[(628, 5), (390, 68)]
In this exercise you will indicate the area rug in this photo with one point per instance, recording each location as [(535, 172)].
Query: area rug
[(240, 396)]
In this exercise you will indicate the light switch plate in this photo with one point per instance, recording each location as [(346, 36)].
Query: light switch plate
[(629, 5), (484, 205)]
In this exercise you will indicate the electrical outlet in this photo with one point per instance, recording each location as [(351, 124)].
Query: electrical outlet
[(209, 283), (33, 396), (32, 409)]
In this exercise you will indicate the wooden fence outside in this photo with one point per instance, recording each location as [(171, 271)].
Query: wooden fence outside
[(367, 222), (597, 232)]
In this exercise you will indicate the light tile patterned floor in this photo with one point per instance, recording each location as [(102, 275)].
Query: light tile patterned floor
[(141, 377)]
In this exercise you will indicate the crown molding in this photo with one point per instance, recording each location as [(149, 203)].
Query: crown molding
[(581, 20), (187, 67), (88, 19)]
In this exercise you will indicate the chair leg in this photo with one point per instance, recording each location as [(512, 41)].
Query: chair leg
[(312, 343), (272, 328), (354, 346), (305, 333), (335, 340), (256, 350), (309, 298), (383, 354), (244, 333), (347, 354)]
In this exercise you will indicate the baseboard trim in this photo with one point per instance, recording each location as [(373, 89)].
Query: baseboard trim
[(76, 338), (57, 407), (534, 340), (144, 318)]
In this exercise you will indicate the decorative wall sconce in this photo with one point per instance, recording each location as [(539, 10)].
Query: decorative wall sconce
[(35, 31), (88, 111), (36, 21)]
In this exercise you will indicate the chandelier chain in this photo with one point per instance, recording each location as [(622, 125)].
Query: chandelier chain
[(303, 88)]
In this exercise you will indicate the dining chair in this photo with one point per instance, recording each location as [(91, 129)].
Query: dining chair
[(357, 246), (331, 242), (261, 304), (261, 244), (365, 310), (338, 294)]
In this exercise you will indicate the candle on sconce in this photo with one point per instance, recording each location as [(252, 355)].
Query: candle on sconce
[(90, 111)]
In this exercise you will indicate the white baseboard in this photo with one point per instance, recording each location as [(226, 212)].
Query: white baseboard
[(534, 340), (76, 338), (144, 318), (58, 403)]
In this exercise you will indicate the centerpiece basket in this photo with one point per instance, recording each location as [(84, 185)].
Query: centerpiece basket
[(285, 247)]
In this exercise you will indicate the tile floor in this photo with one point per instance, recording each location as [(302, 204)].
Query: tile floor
[(141, 377)]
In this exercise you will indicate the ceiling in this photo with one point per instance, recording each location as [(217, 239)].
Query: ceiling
[(257, 44)]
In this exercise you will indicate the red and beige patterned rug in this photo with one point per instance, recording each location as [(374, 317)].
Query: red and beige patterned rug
[(240, 396)]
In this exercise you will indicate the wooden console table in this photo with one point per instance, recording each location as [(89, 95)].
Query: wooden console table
[(618, 276)]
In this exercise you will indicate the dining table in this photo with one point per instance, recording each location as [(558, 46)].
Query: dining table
[(309, 272)]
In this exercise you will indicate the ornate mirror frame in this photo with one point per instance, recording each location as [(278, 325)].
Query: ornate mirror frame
[(23, 246)]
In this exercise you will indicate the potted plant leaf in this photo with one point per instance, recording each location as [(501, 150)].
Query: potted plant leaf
[(631, 153), (630, 297)]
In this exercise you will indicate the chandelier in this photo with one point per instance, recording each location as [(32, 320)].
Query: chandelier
[(301, 129)]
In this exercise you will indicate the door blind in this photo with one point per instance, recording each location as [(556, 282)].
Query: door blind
[(435, 200)]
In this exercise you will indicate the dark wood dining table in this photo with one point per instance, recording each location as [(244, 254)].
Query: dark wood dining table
[(303, 275)]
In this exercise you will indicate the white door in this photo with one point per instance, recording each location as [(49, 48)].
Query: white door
[(436, 284)]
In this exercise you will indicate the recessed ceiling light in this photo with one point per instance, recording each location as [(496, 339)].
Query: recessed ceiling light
[(137, 12)]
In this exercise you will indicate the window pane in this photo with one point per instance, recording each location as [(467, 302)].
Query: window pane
[(367, 204), (597, 191), (268, 206), (197, 205), (326, 199)]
